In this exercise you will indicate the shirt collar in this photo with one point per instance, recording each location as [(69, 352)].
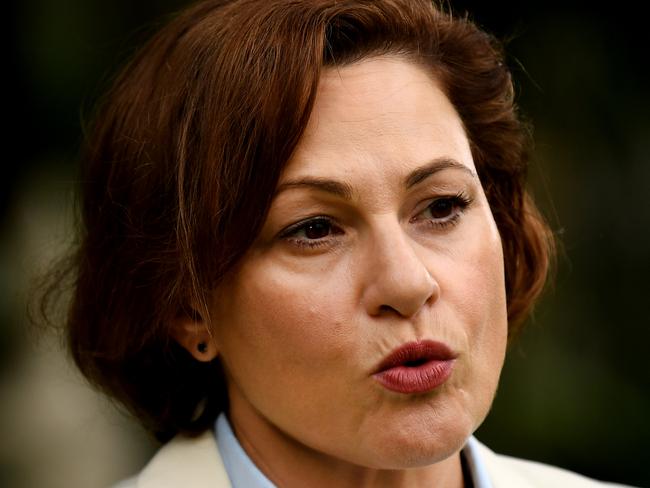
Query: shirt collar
[(240, 468), (243, 473)]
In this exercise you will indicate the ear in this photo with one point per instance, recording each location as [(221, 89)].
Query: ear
[(192, 333)]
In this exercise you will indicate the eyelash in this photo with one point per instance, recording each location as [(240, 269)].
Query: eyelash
[(460, 202), (307, 243)]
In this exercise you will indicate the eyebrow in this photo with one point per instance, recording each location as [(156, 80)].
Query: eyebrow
[(345, 191), (433, 167)]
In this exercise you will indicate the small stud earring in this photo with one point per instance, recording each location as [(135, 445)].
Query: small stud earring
[(202, 347)]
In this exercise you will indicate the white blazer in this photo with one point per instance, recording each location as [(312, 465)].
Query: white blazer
[(196, 463)]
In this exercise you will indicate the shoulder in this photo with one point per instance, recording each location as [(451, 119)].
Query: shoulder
[(506, 471), (183, 461), (128, 483)]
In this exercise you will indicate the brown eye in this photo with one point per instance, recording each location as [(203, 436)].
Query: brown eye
[(317, 229), (441, 208), (312, 232), (444, 212)]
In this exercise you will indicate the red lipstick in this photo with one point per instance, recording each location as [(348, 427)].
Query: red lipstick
[(416, 367)]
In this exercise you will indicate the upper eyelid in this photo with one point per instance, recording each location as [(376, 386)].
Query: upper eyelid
[(290, 229), (465, 199), (462, 195)]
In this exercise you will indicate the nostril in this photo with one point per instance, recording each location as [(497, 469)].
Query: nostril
[(387, 308)]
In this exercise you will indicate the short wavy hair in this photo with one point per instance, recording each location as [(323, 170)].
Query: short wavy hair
[(185, 151)]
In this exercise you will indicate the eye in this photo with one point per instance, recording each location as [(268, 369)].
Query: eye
[(441, 208), (311, 233), (316, 229), (445, 211)]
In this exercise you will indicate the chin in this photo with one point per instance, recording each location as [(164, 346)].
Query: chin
[(417, 444), (416, 456)]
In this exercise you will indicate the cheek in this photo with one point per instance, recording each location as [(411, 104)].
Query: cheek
[(285, 320), (288, 347), (480, 282), (476, 291)]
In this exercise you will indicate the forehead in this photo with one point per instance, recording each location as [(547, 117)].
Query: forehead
[(383, 113)]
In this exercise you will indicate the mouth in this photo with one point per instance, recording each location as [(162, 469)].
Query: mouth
[(416, 367)]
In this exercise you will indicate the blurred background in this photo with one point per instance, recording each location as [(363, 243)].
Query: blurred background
[(575, 391)]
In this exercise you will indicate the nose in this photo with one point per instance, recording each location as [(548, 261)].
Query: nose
[(397, 279)]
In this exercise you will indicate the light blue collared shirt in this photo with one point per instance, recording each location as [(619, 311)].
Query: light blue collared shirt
[(244, 474)]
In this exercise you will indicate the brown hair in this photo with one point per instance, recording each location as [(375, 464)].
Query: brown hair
[(186, 150)]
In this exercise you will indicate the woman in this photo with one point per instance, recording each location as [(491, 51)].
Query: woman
[(306, 242)]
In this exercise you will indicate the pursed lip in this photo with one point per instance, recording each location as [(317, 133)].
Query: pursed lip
[(416, 352), (416, 367)]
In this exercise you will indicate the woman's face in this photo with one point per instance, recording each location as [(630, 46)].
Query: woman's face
[(379, 236)]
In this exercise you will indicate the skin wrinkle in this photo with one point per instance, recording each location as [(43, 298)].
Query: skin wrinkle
[(318, 321)]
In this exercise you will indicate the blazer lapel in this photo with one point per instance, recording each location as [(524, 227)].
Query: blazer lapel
[(500, 473), (184, 461)]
